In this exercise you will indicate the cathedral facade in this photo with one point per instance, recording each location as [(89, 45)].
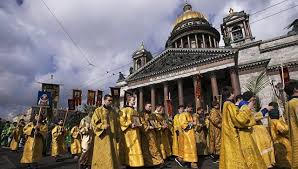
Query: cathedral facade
[(193, 68)]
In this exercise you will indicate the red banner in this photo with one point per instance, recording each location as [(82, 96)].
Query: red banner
[(71, 104), (99, 98), (91, 97), (77, 97), (170, 108), (286, 74)]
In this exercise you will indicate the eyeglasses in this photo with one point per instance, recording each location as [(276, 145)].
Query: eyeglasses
[(110, 100)]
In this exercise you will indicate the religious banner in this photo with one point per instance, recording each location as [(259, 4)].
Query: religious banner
[(115, 92), (170, 108), (198, 86), (284, 74), (126, 95), (99, 98), (54, 89), (77, 97), (71, 104), (91, 97), (44, 99)]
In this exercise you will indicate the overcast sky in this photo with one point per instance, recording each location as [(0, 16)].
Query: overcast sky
[(33, 45)]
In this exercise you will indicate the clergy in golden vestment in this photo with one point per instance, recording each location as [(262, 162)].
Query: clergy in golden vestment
[(177, 146), (105, 127), (151, 152), (215, 130), (16, 135), (35, 132), (238, 149), (291, 112), (87, 141), (260, 133), (200, 128), (130, 125), (189, 141), (279, 132), (163, 132), (75, 146), (58, 140)]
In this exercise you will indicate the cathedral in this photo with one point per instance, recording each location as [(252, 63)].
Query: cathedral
[(193, 68)]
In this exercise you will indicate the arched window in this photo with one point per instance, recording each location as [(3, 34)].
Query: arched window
[(237, 33), (139, 63)]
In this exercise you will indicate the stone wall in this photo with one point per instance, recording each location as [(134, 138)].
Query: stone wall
[(278, 49)]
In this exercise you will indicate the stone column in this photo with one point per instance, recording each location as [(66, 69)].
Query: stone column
[(245, 28), (153, 97), (176, 45), (188, 41), (180, 92), (197, 43), (197, 91), (141, 99), (210, 42), (214, 86), (235, 81), (165, 95), (214, 42), (181, 41), (248, 26), (204, 42)]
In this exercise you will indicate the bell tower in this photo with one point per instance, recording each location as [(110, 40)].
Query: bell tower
[(140, 58), (236, 29)]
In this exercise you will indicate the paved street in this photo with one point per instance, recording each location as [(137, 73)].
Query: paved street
[(10, 160)]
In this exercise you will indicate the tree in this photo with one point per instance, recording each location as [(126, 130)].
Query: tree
[(256, 84)]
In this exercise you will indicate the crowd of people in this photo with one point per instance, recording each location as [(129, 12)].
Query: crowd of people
[(232, 133)]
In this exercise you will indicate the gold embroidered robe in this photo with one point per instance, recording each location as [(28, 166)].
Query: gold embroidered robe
[(33, 146), (132, 139), (175, 143), (75, 146), (16, 137), (58, 141), (87, 141), (282, 146), (150, 148), (215, 131), (105, 154), (189, 139), (291, 112), (238, 149), (263, 140), (163, 136), (201, 135)]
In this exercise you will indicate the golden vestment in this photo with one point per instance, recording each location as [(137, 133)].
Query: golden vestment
[(87, 141), (189, 139), (16, 137), (105, 154), (132, 139), (33, 147), (215, 131), (176, 129), (75, 146), (292, 115), (163, 135), (282, 146), (150, 148), (58, 140), (238, 149), (264, 142), (201, 134)]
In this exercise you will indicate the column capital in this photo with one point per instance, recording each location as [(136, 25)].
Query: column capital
[(212, 74), (197, 77)]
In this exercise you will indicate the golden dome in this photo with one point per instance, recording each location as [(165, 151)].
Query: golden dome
[(189, 14)]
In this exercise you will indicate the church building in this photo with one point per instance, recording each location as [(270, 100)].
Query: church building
[(193, 68)]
